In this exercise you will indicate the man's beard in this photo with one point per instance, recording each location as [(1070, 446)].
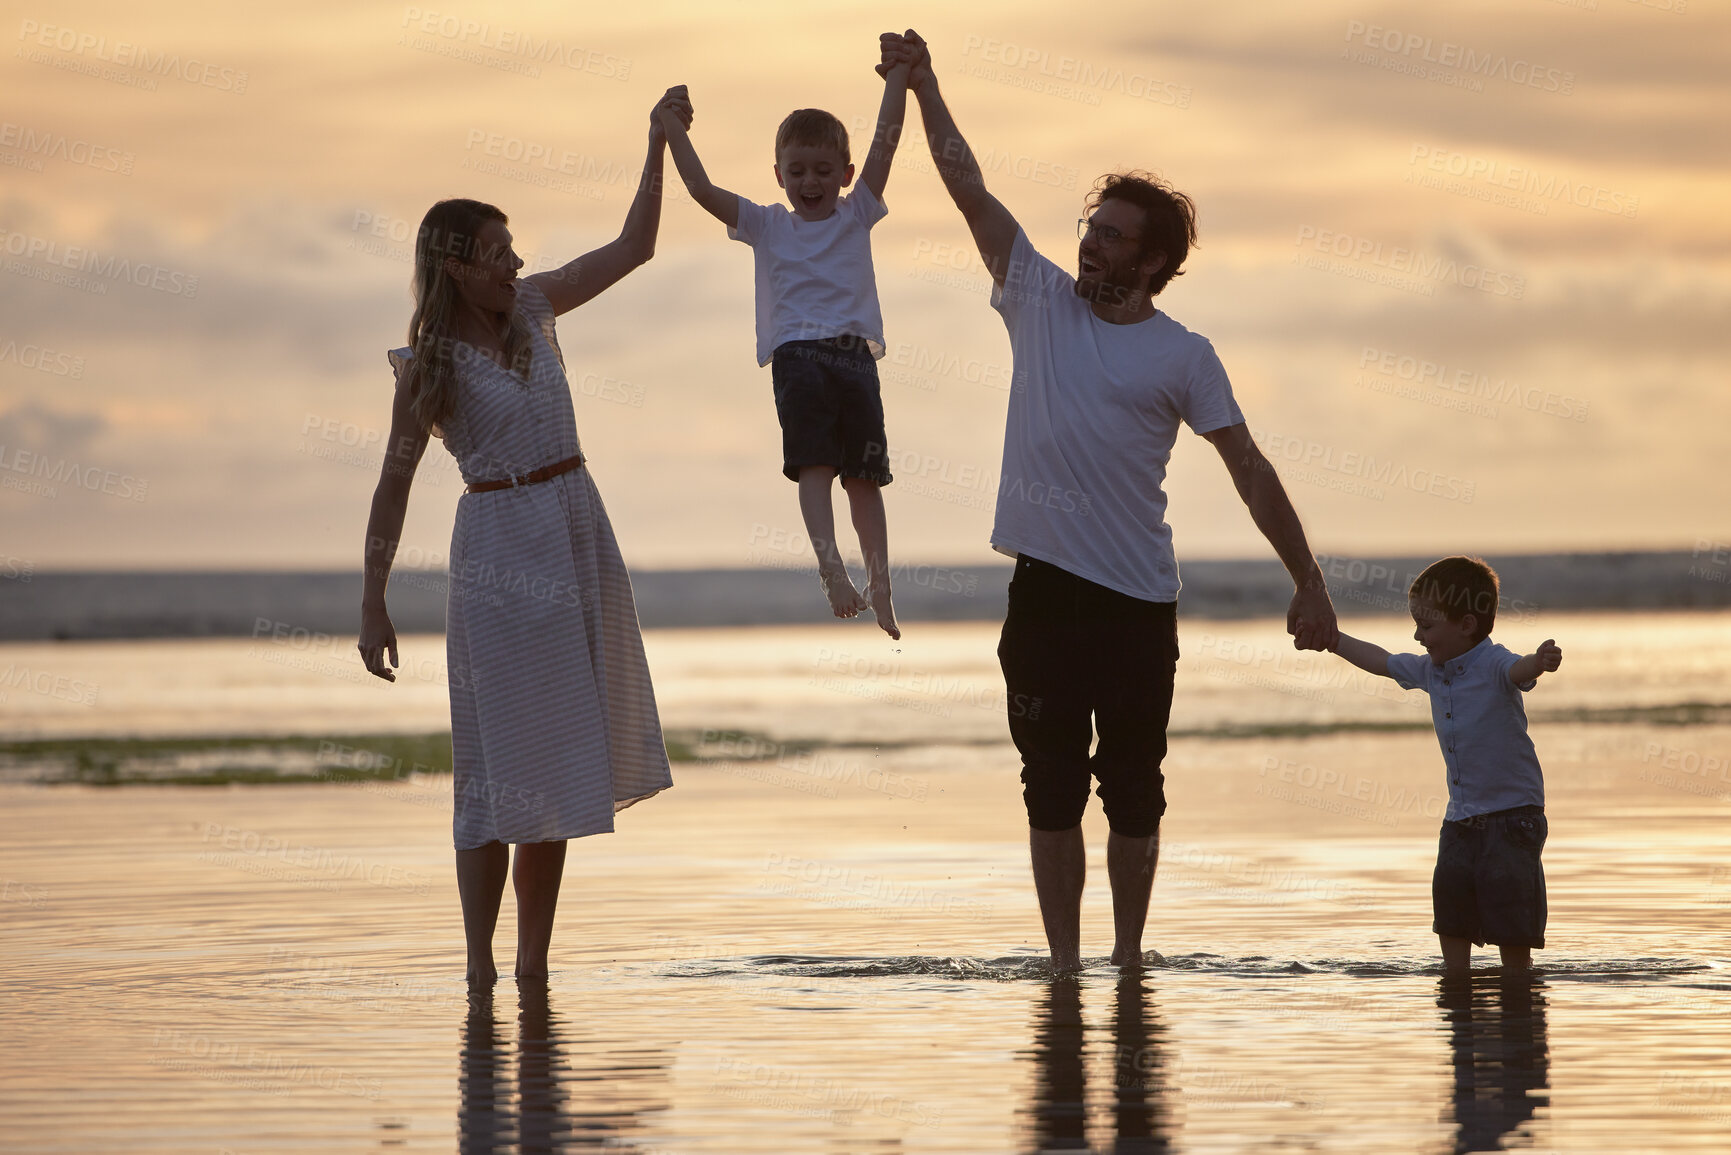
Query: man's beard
[(1105, 291)]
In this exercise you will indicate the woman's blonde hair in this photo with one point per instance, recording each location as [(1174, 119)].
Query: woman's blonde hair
[(451, 228)]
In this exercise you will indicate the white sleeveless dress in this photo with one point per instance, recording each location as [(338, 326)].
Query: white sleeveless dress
[(553, 719)]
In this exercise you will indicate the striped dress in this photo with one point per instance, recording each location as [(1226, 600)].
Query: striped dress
[(553, 719)]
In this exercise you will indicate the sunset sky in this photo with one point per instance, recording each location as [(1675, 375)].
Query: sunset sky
[(1469, 267)]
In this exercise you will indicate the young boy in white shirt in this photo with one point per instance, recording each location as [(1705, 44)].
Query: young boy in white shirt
[(1488, 886), (818, 324)]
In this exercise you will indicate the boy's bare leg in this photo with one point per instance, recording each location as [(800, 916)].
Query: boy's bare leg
[(1060, 867), (819, 515), (536, 875), (1516, 958), (1457, 954), (1130, 864), (480, 885), (865, 499)]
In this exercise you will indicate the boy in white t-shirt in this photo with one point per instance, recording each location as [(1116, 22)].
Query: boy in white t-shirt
[(818, 324)]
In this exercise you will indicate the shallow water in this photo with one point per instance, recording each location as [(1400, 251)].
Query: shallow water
[(277, 968), (839, 950)]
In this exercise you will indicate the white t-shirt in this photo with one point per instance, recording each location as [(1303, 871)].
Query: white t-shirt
[(1094, 412), (814, 278)]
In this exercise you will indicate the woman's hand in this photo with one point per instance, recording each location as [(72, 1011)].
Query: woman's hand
[(674, 102), (378, 636)]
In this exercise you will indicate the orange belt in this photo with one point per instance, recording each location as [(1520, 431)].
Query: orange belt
[(545, 473)]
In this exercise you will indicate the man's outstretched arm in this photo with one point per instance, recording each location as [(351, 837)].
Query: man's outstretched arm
[(993, 227), (1310, 619)]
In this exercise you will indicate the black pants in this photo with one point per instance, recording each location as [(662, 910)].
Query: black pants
[(1079, 657)]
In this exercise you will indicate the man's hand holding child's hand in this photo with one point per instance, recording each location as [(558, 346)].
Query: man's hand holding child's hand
[(906, 49), (675, 103)]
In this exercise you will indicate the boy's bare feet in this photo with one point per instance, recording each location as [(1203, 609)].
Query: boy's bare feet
[(879, 598), (483, 975), (844, 599)]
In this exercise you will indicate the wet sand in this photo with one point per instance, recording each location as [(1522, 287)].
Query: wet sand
[(840, 951)]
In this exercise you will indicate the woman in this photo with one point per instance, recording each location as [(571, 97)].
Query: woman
[(553, 720)]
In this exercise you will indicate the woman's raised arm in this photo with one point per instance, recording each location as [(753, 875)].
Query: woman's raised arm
[(578, 281)]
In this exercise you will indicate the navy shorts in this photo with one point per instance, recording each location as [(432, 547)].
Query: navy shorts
[(1488, 886), (826, 396), (1078, 657)]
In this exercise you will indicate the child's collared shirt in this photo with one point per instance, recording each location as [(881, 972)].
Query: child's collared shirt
[(814, 278), (1480, 725)]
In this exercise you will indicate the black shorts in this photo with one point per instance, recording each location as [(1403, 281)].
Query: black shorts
[(1079, 657), (1488, 886), (826, 396)]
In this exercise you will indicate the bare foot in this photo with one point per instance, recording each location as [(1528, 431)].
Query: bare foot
[(881, 606), (1122, 957), (844, 600), (483, 975)]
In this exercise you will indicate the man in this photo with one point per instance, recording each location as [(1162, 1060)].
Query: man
[(1101, 381)]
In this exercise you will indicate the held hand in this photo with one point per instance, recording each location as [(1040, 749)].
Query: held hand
[(920, 69), (378, 636), (1310, 619), (908, 50), (1549, 654), (675, 104)]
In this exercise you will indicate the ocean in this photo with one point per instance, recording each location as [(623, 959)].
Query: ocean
[(231, 921)]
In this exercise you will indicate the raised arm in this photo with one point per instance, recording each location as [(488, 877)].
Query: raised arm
[(1367, 656), (721, 204), (582, 279), (993, 227), (1310, 618), (888, 134), (408, 441), (1545, 659)]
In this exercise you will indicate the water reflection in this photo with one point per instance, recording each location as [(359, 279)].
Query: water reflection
[(566, 1095), (1140, 1111), (1501, 1057)]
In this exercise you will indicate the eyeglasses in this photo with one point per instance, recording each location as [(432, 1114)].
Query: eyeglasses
[(1107, 234)]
